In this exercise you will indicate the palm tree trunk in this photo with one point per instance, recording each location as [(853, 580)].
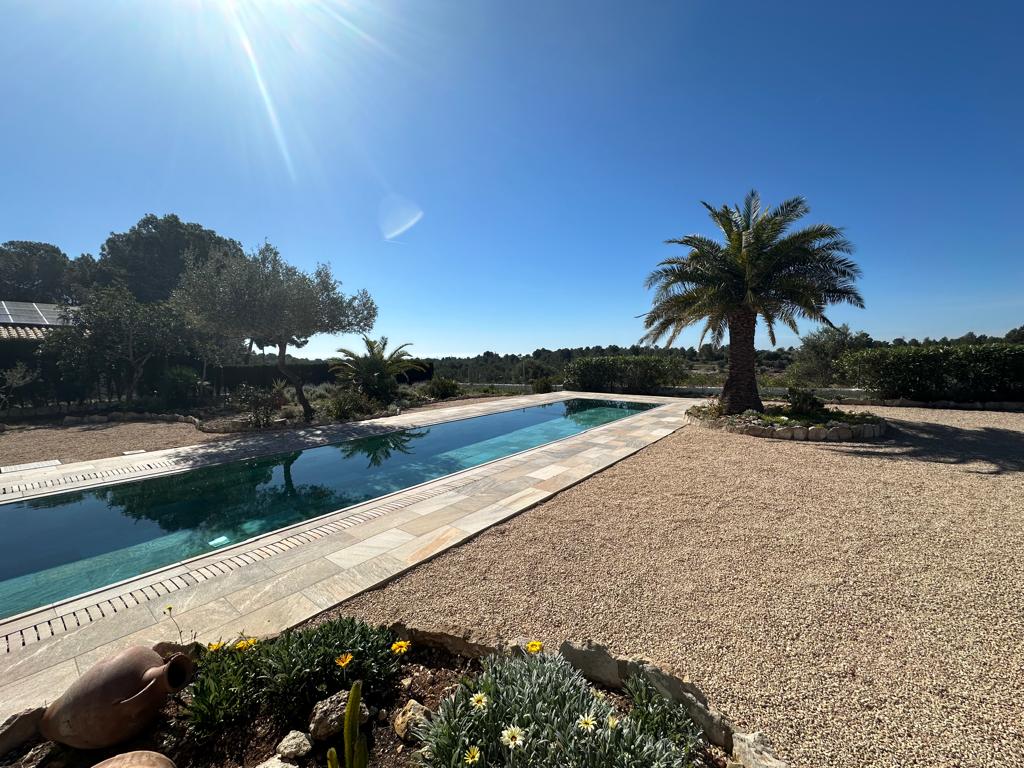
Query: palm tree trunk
[(740, 391)]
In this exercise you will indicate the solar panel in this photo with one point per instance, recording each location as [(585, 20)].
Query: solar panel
[(29, 313)]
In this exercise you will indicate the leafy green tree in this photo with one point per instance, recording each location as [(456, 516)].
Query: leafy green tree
[(376, 373), (760, 269), (111, 337), (817, 361), (1015, 336), (32, 272), (150, 257), (263, 299)]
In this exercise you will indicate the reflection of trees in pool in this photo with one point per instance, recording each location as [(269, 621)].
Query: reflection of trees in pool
[(379, 448), (576, 410), (224, 497)]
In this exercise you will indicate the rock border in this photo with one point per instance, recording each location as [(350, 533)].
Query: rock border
[(598, 665), (842, 432)]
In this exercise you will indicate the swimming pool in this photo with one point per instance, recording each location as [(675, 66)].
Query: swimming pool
[(56, 547)]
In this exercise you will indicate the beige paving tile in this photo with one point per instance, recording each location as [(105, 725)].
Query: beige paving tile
[(269, 619), (270, 590), (545, 473), (375, 545), (22, 662), (428, 545), (351, 581), (382, 523), (39, 689), (305, 553), (434, 520)]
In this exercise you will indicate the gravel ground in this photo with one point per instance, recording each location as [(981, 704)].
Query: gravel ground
[(94, 441), (859, 603), (20, 445)]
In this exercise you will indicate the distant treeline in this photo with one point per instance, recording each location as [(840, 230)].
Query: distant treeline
[(817, 351)]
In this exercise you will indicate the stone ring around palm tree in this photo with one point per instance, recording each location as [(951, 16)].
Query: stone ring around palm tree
[(838, 427)]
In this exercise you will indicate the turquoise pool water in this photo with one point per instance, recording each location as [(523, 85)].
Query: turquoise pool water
[(59, 546)]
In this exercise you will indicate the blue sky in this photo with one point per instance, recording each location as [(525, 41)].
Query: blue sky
[(541, 151)]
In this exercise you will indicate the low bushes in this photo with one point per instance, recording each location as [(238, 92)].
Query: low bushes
[(282, 678), (442, 388), (345, 405), (962, 373), (538, 710), (541, 386), (636, 374)]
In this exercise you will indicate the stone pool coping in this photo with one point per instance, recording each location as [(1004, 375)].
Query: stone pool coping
[(284, 577)]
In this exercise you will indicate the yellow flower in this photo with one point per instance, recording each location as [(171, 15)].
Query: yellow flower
[(343, 660), (613, 722), (245, 642), (168, 609), (478, 700), (534, 646), (599, 694), (586, 723), (472, 756), (399, 647), (215, 646)]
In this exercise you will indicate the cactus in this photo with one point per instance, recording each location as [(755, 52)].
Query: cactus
[(356, 755), (332, 758)]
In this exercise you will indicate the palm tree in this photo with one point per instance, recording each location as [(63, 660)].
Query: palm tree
[(760, 269), (374, 373)]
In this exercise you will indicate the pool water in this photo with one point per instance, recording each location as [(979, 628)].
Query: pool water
[(56, 547)]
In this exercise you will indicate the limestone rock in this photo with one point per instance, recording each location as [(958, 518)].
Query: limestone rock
[(413, 712), (70, 421), (753, 751), (783, 433), (799, 433), (276, 762), (816, 433), (328, 716), (19, 728), (294, 744)]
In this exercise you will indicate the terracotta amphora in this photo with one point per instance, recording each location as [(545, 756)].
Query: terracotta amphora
[(137, 760), (116, 698)]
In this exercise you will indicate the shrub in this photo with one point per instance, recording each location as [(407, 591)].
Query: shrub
[(260, 405), (541, 386), (179, 386), (442, 388), (636, 374), (556, 719), (804, 401), (282, 678), (346, 405), (969, 372)]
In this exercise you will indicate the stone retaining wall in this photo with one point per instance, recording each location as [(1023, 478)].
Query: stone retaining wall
[(836, 433)]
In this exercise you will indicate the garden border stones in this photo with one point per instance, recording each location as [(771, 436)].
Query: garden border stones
[(594, 662), (833, 432)]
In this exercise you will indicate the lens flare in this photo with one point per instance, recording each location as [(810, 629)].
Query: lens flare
[(396, 215)]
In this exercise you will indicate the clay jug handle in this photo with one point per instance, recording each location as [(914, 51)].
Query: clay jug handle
[(145, 688)]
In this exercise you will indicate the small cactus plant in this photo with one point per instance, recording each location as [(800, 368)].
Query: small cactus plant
[(356, 754)]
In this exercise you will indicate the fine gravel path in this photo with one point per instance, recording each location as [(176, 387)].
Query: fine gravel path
[(859, 603)]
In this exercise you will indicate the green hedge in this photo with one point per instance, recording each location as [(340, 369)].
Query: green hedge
[(962, 373), (636, 374)]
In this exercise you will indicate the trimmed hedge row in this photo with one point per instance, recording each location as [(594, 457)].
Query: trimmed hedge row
[(962, 373), (635, 374)]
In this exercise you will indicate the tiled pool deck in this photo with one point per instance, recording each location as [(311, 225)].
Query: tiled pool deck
[(276, 580)]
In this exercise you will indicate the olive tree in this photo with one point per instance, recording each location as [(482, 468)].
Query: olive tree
[(268, 302)]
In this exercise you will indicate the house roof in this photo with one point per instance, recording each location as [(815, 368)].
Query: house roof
[(28, 332)]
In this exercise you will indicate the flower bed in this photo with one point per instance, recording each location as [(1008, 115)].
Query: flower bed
[(783, 423), (284, 703)]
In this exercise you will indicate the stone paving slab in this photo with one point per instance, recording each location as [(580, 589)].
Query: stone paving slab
[(282, 578)]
